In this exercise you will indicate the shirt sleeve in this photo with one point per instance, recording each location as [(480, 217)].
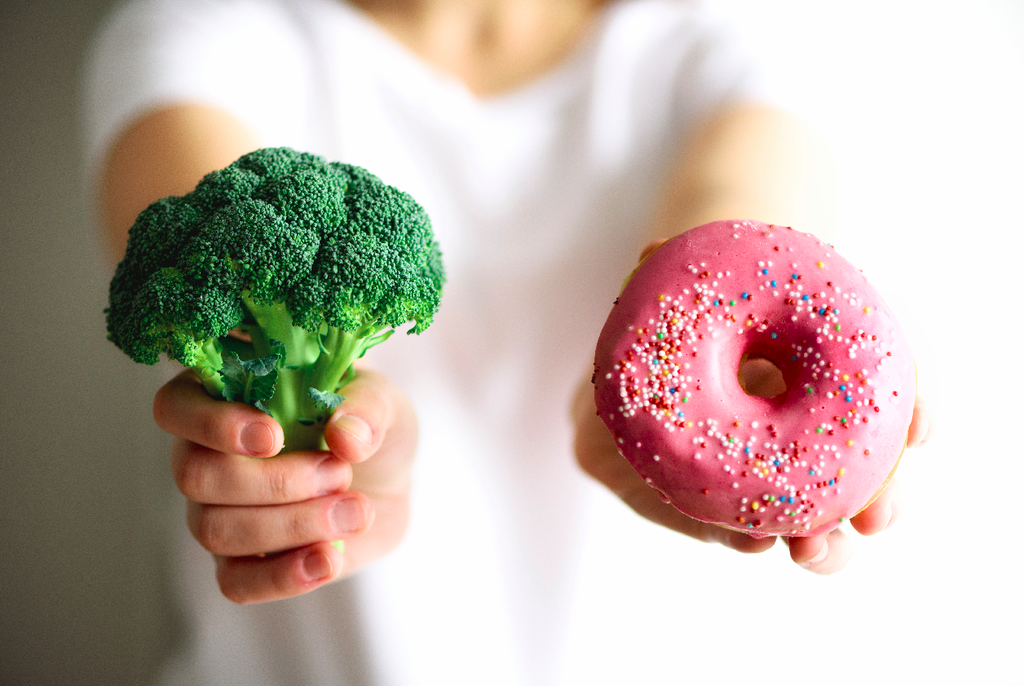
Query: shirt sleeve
[(662, 68), (245, 57)]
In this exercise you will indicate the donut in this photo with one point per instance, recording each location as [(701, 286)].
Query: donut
[(693, 324)]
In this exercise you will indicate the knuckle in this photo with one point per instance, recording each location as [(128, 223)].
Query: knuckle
[(208, 429), (300, 528), (280, 580), (278, 484), (161, 404), (212, 531), (230, 587), (190, 475)]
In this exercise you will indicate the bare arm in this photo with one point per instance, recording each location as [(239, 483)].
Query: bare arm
[(166, 152), (751, 163)]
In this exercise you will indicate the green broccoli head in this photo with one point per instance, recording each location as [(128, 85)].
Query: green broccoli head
[(314, 261)]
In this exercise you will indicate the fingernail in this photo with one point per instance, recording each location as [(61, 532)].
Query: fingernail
[(355, 427), (329, 475), (257, 438), (348, 515), (316, 566), (822, 554)]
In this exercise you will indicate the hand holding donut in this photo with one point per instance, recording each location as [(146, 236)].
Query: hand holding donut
[(756, 382), (598, 456)]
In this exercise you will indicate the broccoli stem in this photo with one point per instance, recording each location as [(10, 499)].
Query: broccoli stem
[(338, 350), (275, 323), (321, 360), (303, 429), (332, 370), (208, 366)]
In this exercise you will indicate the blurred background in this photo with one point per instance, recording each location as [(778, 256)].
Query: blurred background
[(922, 103)]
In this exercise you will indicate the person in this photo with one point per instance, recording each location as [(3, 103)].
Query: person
[(550, 142)]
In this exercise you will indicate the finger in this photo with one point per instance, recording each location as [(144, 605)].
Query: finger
[(262, 579), (358, 426), (821, 554), (646, 502), (597, 455), (182, 407), (391, 519), (881, 513), (253, 578), (920, 424), (215, 478), (239, 530), (375, 419)]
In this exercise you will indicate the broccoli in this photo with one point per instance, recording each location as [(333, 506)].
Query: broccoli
[(272, 277)]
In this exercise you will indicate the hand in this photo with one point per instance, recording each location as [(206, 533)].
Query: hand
[(270, 522), (598, 456), (830, 553)]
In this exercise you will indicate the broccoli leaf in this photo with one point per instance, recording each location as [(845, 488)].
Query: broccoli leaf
[(250, 381), (325, 400), (277, 348)]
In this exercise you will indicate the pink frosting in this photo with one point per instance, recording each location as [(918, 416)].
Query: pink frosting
[(667, 384)]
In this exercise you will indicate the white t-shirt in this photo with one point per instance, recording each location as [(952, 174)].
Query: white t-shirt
[(539, 200)]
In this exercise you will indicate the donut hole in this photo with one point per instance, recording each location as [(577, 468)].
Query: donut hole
[(760, 377)]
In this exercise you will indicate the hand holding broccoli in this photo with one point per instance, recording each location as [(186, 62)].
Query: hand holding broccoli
[(240, 508), (268, 281)]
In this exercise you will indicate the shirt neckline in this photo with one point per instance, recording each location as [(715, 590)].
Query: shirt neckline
[(553, 86)]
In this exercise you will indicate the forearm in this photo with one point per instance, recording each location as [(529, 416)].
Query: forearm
[(165, 152), (751, 163)]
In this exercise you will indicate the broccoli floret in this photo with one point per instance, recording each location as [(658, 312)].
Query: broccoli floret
[(272, 277)]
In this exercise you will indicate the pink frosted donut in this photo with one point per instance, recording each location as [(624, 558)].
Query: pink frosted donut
[(668, 385)]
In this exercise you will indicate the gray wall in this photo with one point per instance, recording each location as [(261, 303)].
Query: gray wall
[(83, 476)]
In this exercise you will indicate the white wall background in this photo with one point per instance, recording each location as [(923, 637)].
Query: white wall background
[(922, 103)]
